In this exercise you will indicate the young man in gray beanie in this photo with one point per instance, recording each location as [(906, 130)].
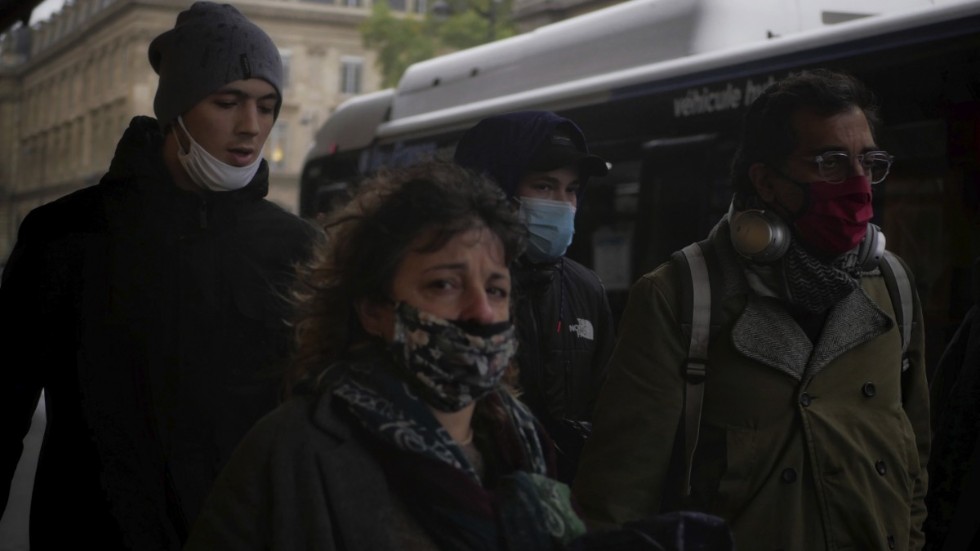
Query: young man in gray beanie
[(150, 305)]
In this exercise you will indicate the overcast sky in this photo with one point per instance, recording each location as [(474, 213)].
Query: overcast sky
[(45, 9)]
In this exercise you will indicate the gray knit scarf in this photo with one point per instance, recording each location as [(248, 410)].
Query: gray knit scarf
[(813, 285)]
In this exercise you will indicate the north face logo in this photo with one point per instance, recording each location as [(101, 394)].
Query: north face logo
[(583, 329)]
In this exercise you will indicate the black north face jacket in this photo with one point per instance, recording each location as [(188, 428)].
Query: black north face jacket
[(153, 319), (566, 334), (563, 317)]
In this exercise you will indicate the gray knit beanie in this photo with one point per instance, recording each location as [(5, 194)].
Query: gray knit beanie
[(210, 46)]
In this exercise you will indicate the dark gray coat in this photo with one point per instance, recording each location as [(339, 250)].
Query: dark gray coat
[(299, 481)]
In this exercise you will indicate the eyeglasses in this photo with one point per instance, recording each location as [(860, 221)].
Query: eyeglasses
[(835, 166)]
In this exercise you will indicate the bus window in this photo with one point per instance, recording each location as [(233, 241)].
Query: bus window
[(684, 191), (605, 230), (928, 208), (324, 176), (329, 198)]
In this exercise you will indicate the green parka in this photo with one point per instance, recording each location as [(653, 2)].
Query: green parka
[(802, 446)]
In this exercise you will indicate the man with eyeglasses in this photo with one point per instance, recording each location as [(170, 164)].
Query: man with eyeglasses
[(811, 435)]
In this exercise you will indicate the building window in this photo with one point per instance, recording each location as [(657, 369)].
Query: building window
[(421, 6), (351, 3), (287, 62), (277, 145), (397, 5), (350, 75)]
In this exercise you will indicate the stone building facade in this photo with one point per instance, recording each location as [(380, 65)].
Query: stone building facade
[(70, 85)]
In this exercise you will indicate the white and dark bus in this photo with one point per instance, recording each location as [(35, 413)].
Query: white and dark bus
[(659, 89)]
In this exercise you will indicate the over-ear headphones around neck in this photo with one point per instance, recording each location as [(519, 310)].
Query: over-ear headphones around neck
[(757, 234), (764, 237), (871, 249)]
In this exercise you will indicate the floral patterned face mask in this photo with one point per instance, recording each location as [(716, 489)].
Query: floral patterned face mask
[(452, 363)]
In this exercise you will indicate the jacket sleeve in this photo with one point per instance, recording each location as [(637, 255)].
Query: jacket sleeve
[(605, 340), (621, 476), (21, 337), (915, 400)]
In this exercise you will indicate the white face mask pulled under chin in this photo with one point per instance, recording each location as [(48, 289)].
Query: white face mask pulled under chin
[(207, 171)]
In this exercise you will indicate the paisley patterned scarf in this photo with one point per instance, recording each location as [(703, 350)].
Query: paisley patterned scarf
[(518, 506)]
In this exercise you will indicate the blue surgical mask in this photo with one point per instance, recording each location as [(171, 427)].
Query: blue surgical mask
[(551, 225), (209, 172)]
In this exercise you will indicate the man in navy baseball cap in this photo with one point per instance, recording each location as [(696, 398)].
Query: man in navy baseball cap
[(542, 161)]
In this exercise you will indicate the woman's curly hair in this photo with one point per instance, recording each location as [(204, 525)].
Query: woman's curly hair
[(366, 241)]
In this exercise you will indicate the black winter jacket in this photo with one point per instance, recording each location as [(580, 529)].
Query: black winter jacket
[(153, 319), (566, 334)]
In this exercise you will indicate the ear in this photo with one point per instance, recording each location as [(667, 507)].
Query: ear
[(761, 178), (376, 317)]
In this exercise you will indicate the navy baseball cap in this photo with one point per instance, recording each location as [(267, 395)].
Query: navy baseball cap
[(561, 149), (508, 146)]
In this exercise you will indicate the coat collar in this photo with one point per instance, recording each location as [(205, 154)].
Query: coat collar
[(356, 494), (325, 417), (767, 333)]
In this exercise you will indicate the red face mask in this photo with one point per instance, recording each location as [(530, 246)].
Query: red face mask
[(836, 217)]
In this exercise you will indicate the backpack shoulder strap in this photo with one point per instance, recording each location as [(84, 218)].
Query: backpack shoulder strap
[(900, 292), (695, 309)]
